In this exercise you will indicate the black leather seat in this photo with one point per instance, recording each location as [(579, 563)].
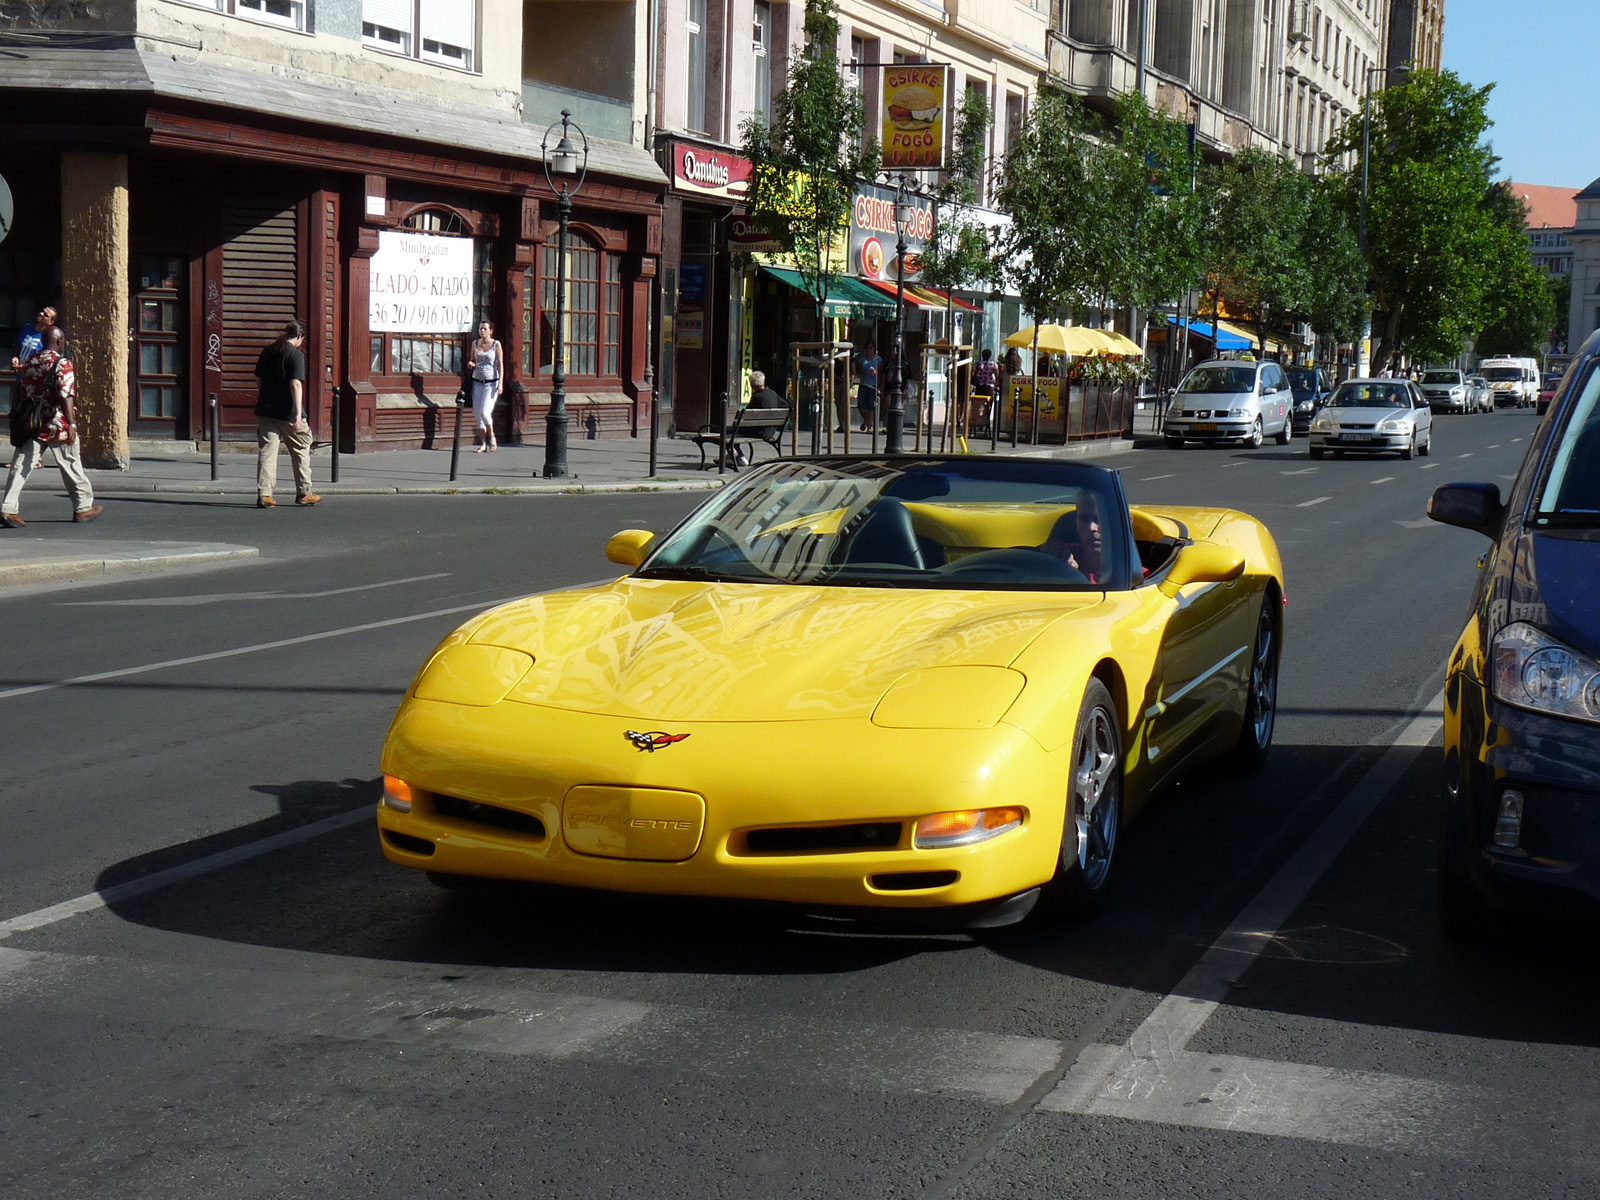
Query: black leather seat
[(886, 536)]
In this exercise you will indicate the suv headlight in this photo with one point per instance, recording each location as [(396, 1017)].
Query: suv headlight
[(1533, 670)]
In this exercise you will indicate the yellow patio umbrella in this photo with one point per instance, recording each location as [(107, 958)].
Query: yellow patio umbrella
[(1120, 344), (1059, 339)]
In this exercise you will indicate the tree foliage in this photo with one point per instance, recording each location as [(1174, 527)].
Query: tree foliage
[(1519, 311), (1260, 204), (1432, 240), (808, 164), (1335, 301), (959, 254)]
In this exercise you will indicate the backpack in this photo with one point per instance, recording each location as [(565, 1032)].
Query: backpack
[(29, 419)]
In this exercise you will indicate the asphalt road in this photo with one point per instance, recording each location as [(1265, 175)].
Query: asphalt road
[(211, 982)]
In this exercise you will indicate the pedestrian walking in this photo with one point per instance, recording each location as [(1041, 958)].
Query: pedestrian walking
[(488, 368), (46, 416), (281, 416), (869, 365)]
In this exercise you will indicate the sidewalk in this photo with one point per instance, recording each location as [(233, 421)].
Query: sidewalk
[(602, 465)]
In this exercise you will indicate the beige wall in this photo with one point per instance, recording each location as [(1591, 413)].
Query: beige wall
[(242, 44)]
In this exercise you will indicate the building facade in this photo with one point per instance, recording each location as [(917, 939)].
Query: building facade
[(190, 176), (1584, 314), (1416, 34), (1551, 213)]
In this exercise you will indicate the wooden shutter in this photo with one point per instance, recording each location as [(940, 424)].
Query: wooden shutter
[(259, 285)]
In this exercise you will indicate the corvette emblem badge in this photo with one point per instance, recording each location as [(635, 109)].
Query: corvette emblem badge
[(653, 741)]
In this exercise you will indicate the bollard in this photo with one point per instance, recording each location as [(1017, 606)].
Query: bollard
[(455, 442), (213, 404), (333, 473)]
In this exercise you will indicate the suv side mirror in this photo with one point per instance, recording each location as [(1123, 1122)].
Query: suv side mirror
[(1474, 506)]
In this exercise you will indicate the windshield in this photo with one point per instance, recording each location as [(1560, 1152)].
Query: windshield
[(1213, 380), (1571, 493), (1502, 374), (1371, 395), (1302, 379), (935, 523), (1442, 377)]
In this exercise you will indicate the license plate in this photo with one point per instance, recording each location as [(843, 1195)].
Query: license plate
[(1357, 437), (1206, 427)]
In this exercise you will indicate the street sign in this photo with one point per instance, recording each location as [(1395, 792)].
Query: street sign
[(7, 208)]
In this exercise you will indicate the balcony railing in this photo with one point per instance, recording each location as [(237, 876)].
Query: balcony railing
[(599, 116)]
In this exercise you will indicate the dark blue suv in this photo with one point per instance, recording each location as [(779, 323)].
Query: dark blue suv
[(1520, 822)]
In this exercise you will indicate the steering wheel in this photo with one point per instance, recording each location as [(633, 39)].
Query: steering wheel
[(1015, 564)]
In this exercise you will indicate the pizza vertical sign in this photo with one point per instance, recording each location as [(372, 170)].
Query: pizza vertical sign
[(421, 283), (914, 116)]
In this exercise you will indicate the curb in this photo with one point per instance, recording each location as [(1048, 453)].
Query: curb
[(224, 488), (77, 570)]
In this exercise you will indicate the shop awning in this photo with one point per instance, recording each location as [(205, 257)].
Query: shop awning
[(1228, 337), (847, 297), (922, 296)]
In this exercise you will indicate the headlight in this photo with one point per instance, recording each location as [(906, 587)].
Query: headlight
[(1394, 425), (1303, 406), (1533, 670), (1456, 391), (1323, 425)]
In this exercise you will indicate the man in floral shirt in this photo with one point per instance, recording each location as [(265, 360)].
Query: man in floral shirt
[(49, 384)]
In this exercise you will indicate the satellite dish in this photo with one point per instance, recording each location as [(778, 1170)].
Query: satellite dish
[(7, 208)]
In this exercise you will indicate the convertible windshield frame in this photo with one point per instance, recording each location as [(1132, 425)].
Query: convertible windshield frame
[(968, 523)]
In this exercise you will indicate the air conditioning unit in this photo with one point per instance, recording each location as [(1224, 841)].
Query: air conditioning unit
[(1299, 20)]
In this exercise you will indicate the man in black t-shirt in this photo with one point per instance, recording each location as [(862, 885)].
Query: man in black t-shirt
[(281, 416)]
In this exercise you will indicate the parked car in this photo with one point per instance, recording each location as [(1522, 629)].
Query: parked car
[(1311, 387), (1520, 822), (1374, 416), (1482, 393), (1222, 400), (1515, 381), (1446, 390), (1547, 390), (868, 685)]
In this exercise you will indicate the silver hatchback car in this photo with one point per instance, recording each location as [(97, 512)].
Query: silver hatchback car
[(1374, 416), (1223, 401)]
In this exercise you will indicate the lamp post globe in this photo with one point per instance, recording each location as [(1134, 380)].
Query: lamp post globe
[(570, 164)]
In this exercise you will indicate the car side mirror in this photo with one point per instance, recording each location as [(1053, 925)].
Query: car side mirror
[(630, 547), (1469, 506), (1203, 562)]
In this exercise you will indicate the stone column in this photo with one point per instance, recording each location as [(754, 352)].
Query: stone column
[(94, 299)]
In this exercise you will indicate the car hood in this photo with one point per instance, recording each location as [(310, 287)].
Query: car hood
[(1561, 583), (1363, 415), (667, 650)]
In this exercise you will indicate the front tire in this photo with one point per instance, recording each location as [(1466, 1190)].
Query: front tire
[(1256, 436), (1093, 816), (1411, 449), (1316, 452), (1174, 443), (1261, 700)]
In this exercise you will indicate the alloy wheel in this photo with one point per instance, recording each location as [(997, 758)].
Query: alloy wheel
[(1257, 436), (1090, 837), (1264, 681)]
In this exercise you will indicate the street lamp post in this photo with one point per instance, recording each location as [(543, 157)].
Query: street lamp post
[(894, 432), (563, 161)]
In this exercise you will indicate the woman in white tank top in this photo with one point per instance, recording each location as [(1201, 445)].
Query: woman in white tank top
[(488, 366)]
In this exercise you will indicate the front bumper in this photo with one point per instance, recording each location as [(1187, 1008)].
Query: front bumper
[(1230, 429), (1372, 442), (1443, 402), (527, 760), (1555, 764)]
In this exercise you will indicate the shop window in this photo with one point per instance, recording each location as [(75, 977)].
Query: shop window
[(697, 33), (761, 38), (593, 333), (443, 32), (290, 14), (437, 353)]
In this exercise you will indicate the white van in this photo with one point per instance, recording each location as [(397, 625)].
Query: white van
[(1515, 381)]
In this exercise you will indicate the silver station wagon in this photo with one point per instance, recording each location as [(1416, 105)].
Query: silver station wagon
[(1223, 401)]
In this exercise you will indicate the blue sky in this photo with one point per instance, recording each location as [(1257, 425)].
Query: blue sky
[(1541, 55)]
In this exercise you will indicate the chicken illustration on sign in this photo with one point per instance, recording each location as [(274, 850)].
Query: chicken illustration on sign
[(913, 116)]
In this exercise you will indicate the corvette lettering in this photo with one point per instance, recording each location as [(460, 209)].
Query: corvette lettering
[(653, 741), (619, 822)]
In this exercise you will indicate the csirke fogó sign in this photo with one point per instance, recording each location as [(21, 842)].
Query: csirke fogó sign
[(702, 171)]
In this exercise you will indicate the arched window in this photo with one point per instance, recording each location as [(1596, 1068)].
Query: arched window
[(593, 311), (437, 353)]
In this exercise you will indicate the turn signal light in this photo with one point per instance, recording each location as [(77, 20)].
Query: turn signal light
[(396, 794), (1508, 823), (941, 830)]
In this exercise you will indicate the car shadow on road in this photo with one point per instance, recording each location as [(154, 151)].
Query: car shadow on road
[(335, 894)]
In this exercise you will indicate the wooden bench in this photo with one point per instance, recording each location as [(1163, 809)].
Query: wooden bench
[(746, 422)]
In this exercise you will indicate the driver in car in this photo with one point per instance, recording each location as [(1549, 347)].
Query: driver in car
[(1085, 552)]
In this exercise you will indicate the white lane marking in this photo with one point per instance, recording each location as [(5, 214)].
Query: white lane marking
[(1430, 466), (223, 597), (1385, 479), (200, 866), (1468, 454), (1516, 439), (1318, 500), (1140, 1078), (1419, 523), (1508, 477), (1153, 478), (1496, 446), (1302, 471)]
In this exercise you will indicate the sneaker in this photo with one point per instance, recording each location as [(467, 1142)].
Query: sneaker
[(308, 498), (11, 519), (89, 514), (266, 502)]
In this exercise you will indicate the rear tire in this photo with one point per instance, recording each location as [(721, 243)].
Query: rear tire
[(1261, 697), (1286, 433), (1093, 816), (1427, 447)]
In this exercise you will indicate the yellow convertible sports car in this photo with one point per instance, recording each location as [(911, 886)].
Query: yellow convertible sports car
[(849, 684)]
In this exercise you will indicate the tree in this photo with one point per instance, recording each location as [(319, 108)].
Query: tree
[(808, 165), (1561, 304), (1431, 237), (1518, 308), (1261, 204), (958, 255), (1335, 300)]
